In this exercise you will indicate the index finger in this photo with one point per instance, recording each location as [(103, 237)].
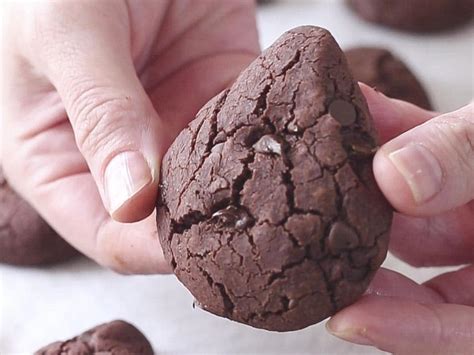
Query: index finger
[(445, 239), (393, 117)]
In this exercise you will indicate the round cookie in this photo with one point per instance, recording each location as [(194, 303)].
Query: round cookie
[(379, 68), (268, 209), (415, 15), (25, 238), (114, 338)]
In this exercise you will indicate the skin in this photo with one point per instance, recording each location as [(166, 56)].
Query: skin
[(88, 83), (397, 314), (88, 80)]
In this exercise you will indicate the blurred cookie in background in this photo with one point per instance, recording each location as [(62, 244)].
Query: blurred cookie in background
[(25, 238), (114, 338), (415, 15), (379, 68)]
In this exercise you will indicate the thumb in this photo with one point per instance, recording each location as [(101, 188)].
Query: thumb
[(87, 57), (401, 326), (430, 168)]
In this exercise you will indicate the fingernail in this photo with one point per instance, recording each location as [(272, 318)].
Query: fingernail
[(348, 333), (420, 169), (126, 175)]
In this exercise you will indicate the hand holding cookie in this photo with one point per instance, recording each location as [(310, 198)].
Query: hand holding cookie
[(268, 209), (94, 94), (426, 170)]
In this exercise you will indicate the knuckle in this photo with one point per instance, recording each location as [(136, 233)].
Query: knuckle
[(459, 135), (99, 120), (109, 254)]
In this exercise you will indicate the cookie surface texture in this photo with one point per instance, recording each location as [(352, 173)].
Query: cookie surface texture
[(268, 210)]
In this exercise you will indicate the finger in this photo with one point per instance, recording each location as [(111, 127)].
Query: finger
[(204, 70), (62, 190), (390, 283), (430, 169), (393, 117), (455, 287), (451, 287), (126, 248), (84, 49), (368, 324), (406, 327), (445, 239), (450, 235)]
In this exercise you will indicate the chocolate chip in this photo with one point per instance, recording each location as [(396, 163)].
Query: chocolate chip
[(343, 112), (232, 216), (293, 127), (292, 303), (341, 237), (269, 144), (218, 148), (220, 137), (363, 149)]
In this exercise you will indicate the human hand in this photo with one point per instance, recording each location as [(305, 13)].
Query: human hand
[(426, 171), (94, 93)]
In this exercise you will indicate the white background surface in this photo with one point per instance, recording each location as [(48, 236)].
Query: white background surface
[(38, 306)]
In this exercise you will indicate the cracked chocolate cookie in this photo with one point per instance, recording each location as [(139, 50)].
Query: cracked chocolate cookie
[(114, 338), (268, 210), (379, 68), (415, 15), (25, 238)]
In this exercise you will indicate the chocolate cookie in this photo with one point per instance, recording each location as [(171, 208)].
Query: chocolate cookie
[(415, 15), (114, 338), (25, 238), (379, 68), (268, 210)]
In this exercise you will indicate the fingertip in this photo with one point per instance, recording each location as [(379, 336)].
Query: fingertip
[(130, 187), (138, 206), (384, 111), (405, 327), (346, 331), (392, 184), (392, 117), (378, 103), (373, 320), (374, 97), (351, 323), (370, 92), (377, 100)]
